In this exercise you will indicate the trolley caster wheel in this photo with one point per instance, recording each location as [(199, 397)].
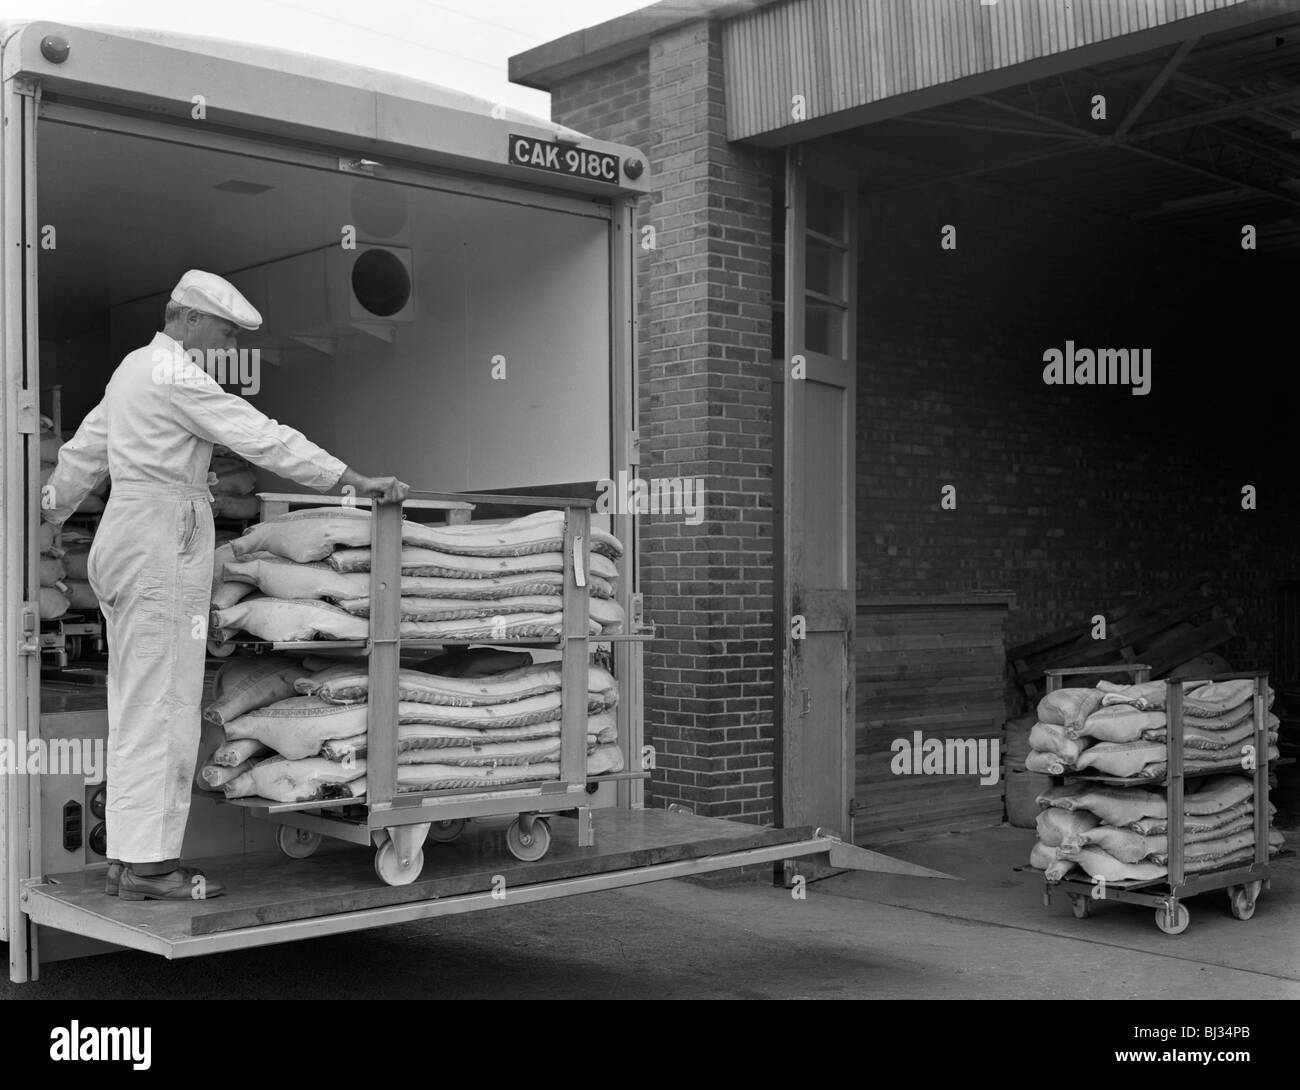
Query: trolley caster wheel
[(444, 832), (1179, 925), (296, 843), (390, 868), (528, 847), (74, 648), (1241, 899), (1081, 905)]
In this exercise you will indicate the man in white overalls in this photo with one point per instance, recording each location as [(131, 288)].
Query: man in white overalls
[(151, 562)]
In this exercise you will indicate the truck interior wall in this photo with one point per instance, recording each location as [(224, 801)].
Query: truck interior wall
[(1072, 497), (494, 283)]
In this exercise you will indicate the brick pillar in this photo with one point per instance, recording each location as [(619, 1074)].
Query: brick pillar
[(706, 411)]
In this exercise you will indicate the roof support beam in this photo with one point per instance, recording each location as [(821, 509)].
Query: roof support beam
[(980, 126), (988, 168), (1130, 143), (1156, 85), (1251, 105), (1042, 119), (1265, 152), (1225, 179), (1207, 90), (1181, 206)]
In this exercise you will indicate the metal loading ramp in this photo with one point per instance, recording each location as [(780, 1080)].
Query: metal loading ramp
[(273, 900)]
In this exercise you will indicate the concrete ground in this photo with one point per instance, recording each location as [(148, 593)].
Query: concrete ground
[(855, 936)]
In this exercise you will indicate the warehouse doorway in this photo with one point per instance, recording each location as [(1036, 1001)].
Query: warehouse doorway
[(1157, 227)]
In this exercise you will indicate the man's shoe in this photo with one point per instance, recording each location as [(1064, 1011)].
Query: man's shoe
[(114, 877), (175, 885)]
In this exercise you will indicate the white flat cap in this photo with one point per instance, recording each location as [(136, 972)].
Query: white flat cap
[(209, 293)]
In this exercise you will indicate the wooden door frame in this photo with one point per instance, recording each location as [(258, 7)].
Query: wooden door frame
[(799, 165)]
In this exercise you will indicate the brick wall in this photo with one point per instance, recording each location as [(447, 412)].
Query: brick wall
[(611, 103), (705, 411), (1070, 496)]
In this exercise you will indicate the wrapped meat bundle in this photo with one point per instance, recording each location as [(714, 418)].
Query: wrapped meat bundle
[(346, 684), (282, 780), (314, 533)]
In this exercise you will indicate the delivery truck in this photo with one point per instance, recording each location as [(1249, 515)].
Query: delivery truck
[(448, 295)]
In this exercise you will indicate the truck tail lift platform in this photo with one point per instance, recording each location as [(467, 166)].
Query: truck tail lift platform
[(336, 890)]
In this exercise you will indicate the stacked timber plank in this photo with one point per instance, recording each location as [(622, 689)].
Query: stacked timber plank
[(936, 665), (1161, 631)]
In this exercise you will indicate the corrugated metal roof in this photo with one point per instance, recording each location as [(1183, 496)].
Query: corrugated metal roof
[(842, 55)]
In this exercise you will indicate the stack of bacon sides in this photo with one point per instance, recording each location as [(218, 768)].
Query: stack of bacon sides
[(293, 730), (1121, 833), (1117, 828), (1119, 731), (64, 584), (305, 576), (51, 441), (53, 600)]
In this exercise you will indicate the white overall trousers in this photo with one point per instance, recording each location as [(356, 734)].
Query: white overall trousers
[(151, 567)]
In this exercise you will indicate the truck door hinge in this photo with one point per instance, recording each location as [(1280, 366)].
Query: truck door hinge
[(805, 701), (30, 644), (634, 447)]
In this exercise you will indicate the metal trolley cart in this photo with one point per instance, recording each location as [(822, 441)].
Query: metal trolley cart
[(1243, 881), (398, 824)]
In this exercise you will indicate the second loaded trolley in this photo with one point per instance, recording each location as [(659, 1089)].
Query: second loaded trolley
[(1243, 881)]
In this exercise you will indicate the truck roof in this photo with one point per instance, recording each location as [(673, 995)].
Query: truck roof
[(265, 92), (310, 65)]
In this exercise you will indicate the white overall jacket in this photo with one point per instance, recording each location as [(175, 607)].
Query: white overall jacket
[(151, 568)]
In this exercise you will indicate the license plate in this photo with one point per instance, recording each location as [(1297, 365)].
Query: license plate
[(598, 166)]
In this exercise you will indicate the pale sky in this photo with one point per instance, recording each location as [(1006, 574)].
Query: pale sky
[(458, 43)]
